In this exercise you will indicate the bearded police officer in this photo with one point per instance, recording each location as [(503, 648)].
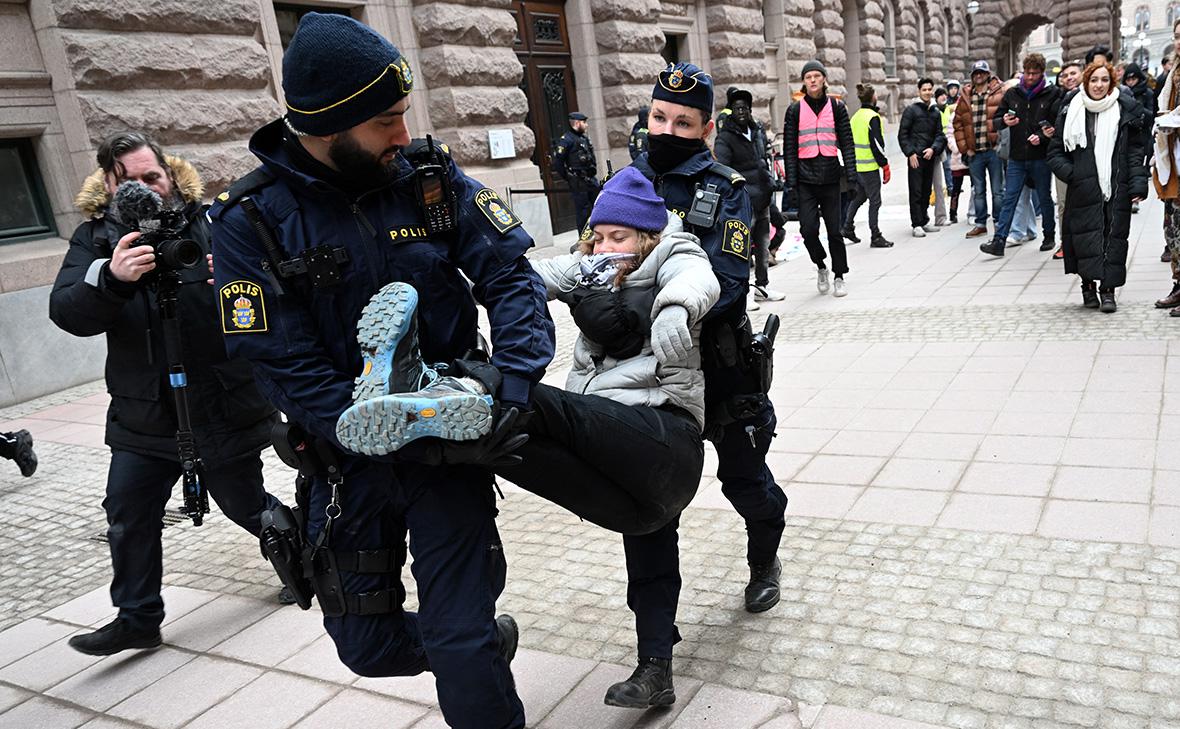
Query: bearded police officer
[(573, 159), (344, 204), (740, 418)]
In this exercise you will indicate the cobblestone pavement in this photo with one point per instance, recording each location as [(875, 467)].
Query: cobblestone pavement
[(984, 530)]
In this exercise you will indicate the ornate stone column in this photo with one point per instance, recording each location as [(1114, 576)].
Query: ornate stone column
[(829, 42), (628, 40), (737, 47)]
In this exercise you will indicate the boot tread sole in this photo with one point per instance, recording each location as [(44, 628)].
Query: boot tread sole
[(384, 322), (383, 425)]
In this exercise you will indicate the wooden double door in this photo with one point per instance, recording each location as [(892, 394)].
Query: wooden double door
[(542, 45)]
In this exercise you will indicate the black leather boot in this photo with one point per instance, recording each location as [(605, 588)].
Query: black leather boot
[(509, 635), (115, 637), (1089, 295), (19, 447), (650, 685), (849, 233), (1108, 305), (762, 592)]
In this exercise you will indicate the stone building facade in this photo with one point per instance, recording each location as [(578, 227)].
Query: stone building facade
[(202, 75)]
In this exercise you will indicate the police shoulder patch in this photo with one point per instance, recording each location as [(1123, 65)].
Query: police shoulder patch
[(587, 233), (243, 308), (496, 210), (736, 239)]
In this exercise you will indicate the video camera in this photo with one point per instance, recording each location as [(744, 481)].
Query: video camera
[(142, 209)]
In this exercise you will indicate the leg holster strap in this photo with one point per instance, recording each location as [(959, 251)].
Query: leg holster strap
[(378, 602)]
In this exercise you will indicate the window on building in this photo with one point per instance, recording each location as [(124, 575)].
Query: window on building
[(890, 40), (25, 212), (288, 15), (1142, 18), (671, 49)]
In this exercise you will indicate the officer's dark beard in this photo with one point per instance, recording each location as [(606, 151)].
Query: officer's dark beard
[(361, 168), (666, 152)]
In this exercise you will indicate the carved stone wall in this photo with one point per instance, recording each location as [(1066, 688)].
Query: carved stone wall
[(737, 49), (829, 41), (1082, 24), (193, 74), (628, 41)]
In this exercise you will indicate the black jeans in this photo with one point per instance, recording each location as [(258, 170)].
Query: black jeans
[(138, 488), (921, 181), (816, 201), (628, 468), (762, 247)]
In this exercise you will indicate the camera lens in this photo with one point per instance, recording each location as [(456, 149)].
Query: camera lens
[(178, 254)]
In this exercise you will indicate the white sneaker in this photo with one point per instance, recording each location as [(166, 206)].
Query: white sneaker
[(1028, 238), (761, 293), (751, 305), (821, 281), (919, 232), (1013, 242), (838, 288), (930, 228)]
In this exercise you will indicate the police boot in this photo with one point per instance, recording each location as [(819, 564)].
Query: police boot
[(508, 636), (650, 685), (19, 447), (452, 408), (114, 637), (762, 591), (388, 335)]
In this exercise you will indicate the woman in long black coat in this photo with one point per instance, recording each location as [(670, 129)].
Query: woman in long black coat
[(1098, 151)]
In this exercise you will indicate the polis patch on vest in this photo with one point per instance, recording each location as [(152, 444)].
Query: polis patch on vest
[(736, 239), (243, 308), (408, 233), (496, 210)]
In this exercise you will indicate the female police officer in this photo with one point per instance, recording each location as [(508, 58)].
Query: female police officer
[(336, 196)]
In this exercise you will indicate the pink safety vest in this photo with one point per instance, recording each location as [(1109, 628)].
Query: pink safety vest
[(817, 134)]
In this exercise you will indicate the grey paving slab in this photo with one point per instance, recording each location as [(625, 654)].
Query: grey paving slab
[(105, 722), (28, 637), (273, 701), (274, 638), (319, 660), (10, 696), (912, 473), (418, 689), (41, 713), (583, 706), (187, 693), (361, 708), (726, 707), (118, 677), (544, 679), (91, 609), (180, 601), (1012, 479), (46, 667), (1107, 522), (216, 621), (1082, 483)]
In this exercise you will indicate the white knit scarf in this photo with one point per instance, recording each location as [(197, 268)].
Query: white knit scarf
[(1106, 129)]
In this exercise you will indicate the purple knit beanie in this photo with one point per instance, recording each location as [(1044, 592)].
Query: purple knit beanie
[(629, 199)]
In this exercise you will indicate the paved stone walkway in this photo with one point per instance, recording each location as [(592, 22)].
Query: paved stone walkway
[(984, 533)]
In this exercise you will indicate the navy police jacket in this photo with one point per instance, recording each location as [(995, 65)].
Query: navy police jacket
[(728, 242), (303, 343)]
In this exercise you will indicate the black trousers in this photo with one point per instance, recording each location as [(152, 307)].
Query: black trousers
[(138, 488), (627, 468), (921, 182), (584, 195), (653, 560), (816, 201)]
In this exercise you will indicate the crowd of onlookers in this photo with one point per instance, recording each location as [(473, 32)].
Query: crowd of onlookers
[(1074, 151)]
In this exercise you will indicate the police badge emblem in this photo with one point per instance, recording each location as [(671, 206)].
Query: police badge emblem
[(496, 210), (405, 76), (243, 308), (736, 239), (676, 80)]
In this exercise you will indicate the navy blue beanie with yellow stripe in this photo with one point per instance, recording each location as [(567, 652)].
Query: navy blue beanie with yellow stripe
[(338, 72)]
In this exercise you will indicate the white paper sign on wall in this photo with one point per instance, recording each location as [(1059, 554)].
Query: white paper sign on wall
[(500, 143)]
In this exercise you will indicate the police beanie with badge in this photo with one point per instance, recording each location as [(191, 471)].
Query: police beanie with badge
[(338, 73), (685, 84), (629, 199)]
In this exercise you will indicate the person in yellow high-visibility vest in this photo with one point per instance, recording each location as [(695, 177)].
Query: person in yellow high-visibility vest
[(871, 164)]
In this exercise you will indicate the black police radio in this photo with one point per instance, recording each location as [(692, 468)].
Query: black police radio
[(435, 196)]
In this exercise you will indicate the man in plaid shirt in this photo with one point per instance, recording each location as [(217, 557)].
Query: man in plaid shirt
[(976, 137)]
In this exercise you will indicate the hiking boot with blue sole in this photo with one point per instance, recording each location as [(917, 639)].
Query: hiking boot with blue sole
[(388, 335), (453, 408)]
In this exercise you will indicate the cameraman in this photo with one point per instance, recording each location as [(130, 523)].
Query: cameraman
[(104, 287)]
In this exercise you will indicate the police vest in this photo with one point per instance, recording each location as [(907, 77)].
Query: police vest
[(817, 134), (865, 161)]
